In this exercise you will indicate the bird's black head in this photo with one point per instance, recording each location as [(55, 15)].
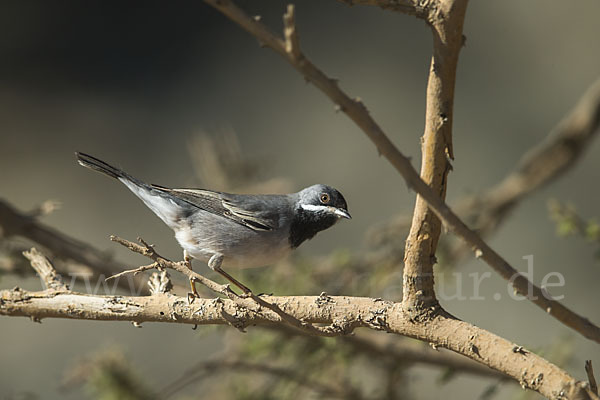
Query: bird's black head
[(318, 207)]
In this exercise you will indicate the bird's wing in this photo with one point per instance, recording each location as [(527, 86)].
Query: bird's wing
[(248, 210)]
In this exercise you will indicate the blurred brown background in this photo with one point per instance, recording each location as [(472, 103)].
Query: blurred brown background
[(134, 82)]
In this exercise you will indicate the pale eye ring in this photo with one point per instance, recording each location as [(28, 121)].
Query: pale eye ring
[(325, 198)]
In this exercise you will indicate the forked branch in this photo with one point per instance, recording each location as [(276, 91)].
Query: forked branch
[(355, 110), (530, 370), (251, 301)]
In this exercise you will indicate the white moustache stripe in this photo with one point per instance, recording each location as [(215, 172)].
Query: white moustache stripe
[(310, 207)]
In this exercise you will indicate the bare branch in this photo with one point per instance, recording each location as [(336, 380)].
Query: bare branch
[(134, 271), (441, 329), (62, 246), (356, 111), (541, 165), (589, 370), (436, 147), (160, 262), (530, 370), (337, 326), (45, 270)]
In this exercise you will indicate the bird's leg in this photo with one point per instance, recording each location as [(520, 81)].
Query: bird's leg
[(188, 263), (215, 264)]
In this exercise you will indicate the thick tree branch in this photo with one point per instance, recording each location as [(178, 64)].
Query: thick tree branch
[(442, 329), (336, 327), (356, 111), (436, 148), (530, 370)]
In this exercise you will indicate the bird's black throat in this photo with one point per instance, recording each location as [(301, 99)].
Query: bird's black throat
[(307, 224)]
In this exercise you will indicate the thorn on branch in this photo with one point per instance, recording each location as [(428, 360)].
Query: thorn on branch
[(324, 299), (474, 349)]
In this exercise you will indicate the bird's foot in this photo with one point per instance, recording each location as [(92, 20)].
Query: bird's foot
[(194, 293), (191, 297)]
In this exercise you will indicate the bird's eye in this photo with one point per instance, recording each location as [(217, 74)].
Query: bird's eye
[(325, 198)]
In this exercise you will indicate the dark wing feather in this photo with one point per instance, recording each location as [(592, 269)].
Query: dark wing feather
[(260, 212), (248, 210)]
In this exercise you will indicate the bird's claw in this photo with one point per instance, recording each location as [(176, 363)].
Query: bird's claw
[(191, 297)]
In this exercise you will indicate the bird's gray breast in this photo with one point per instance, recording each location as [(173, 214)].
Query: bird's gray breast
[(204, 234)]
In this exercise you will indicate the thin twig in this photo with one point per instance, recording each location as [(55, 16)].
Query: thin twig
[(557, 153), (541, 165), (160, 262), (147, 250), (134, 271), (589, 370), (356, 111)]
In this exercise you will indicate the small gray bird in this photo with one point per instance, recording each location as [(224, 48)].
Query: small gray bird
[(234, 230)]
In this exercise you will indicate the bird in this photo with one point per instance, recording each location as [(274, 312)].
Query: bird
[(234, 230)]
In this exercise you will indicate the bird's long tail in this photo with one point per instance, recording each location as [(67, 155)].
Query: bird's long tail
[(98, 165), (164, 205)]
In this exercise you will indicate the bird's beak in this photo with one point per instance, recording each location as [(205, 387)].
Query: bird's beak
[(341, 213)]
